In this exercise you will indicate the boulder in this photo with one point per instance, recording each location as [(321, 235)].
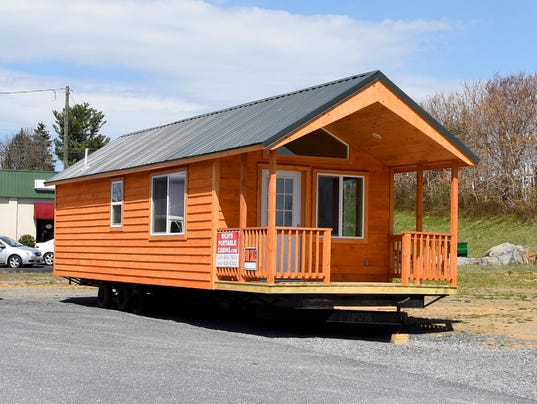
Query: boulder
[(461, 261), (508, 253), (502, 254)]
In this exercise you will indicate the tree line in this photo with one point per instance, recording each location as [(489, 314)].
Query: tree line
[(497, 120), (33, 148)]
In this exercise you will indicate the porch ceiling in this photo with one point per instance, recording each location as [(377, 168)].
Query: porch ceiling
[(392, 139)]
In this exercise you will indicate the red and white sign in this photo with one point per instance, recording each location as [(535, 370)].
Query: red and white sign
[(227, 249), (250, 258)]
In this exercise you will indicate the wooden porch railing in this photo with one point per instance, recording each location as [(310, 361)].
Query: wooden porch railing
[(421, 256), (301, 254)]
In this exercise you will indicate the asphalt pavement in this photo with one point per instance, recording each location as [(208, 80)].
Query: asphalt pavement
[(59, 347)]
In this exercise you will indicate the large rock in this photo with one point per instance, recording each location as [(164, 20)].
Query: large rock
[(508, 253), (503, 254)]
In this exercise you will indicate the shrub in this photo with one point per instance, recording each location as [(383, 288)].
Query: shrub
[(27, 240)]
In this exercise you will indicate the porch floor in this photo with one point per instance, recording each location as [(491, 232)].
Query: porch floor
[(337, 288)]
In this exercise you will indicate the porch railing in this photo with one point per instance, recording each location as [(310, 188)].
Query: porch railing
[(417, 256), (300, 254)]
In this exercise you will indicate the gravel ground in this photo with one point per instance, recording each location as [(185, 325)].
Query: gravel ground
[(58, 352), (460, 358)]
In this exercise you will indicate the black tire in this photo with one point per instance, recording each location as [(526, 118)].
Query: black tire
[(14, 261), (105, 296), (124, 297), (138, 301), (48, 258)]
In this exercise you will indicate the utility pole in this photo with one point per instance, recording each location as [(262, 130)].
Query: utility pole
[(66, 130)]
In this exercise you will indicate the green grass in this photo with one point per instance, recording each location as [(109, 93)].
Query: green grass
[(508, 282), (480, 234)]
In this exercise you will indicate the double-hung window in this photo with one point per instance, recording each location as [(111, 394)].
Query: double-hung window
[(340, 204), (168, 204), (116, 204)]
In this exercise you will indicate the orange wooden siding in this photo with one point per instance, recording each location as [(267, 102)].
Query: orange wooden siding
[(351, 259), (87, 247)]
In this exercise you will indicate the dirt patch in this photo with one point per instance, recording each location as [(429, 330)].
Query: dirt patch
[(511, 318)]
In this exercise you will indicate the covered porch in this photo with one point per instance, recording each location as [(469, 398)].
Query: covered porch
[(361, 144), (277, 255)]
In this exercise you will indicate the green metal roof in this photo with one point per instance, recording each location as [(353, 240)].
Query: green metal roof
[(21, 184), (261, 123)]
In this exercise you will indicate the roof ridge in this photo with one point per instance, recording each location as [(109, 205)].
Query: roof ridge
[(250, 103)]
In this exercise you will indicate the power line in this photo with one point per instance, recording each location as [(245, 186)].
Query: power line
[(32, 91)]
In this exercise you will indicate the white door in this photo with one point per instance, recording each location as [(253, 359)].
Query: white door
[(288, 213), (288, 198)]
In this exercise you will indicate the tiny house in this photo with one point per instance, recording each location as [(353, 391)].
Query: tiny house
[(288, 199)]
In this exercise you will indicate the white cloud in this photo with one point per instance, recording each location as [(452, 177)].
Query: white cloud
[(152, 62)]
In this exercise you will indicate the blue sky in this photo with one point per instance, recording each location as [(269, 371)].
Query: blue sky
[(146, 63)]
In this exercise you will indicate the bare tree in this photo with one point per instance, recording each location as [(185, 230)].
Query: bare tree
[(3, 147), (28, 149), (497, 119)]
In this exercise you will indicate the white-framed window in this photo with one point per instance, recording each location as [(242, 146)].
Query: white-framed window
[(116, 203), (340, 204), (168, 203)]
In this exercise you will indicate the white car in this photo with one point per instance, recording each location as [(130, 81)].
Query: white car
[(15, 255), (47, 251)]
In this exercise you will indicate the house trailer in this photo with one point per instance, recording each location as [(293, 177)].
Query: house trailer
[(287, 200)]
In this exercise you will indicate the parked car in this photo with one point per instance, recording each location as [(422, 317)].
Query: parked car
[(15, 255), (47, 251)]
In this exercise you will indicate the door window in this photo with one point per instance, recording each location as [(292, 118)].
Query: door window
[(288, 198)]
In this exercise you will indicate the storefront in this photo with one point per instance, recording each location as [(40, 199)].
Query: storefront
[(26, 204)]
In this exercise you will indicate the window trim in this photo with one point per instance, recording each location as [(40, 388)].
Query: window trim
[(168, 175), (116, 203), (340, 176)]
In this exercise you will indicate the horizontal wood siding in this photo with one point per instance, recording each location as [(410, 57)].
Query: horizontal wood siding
[(87, 247), (351, 259)]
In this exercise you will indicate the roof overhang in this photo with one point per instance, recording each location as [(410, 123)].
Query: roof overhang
[(388, 125), (160, 166)]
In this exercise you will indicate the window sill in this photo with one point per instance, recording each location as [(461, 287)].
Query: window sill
[(167, 237)]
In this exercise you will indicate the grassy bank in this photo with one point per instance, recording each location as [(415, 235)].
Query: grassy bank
[(480, 234), (498, 282)]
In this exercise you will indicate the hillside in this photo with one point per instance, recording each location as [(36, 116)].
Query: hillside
[(480, 234)]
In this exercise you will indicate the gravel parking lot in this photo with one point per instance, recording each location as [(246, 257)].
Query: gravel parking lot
[(57, 346)]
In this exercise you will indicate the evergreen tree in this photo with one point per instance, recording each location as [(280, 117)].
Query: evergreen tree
[(84, 126), (42, 141)]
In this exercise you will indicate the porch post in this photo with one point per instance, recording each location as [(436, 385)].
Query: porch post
[(243, 214), (244, 192), (454, 224), (271, 219), (391, 196), (419, 199), (215, 203)]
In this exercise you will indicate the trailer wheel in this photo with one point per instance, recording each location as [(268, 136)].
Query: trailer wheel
[(138, 301), (124, 297), (105, 296)]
